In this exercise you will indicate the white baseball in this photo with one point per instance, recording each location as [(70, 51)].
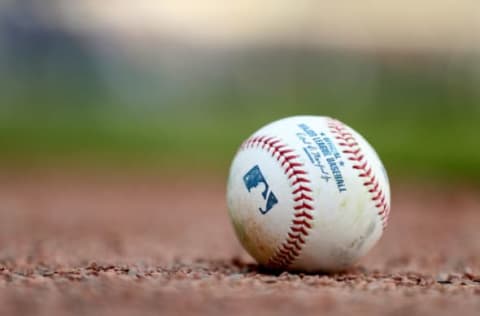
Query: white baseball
[(308, 193)]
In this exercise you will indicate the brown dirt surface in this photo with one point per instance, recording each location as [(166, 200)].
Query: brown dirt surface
[(90, 243)]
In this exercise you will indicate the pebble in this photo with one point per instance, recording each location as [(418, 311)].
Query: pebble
[(443, 278)]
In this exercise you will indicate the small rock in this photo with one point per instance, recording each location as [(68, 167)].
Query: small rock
[(398, 278), (443, 278)]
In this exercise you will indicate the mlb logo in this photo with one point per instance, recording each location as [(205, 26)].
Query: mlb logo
[(252, 179)]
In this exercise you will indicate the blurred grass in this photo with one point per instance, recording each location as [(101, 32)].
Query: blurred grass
[(446, 149), (421, 115)]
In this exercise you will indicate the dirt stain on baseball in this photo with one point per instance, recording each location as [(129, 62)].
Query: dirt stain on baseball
[(258, 240)]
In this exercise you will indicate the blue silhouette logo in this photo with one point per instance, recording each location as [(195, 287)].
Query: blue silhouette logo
[(255, 177)]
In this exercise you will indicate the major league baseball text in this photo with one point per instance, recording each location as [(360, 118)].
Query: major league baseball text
[(308, 193)]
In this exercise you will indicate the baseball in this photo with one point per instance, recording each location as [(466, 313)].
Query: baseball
[(308, 193)]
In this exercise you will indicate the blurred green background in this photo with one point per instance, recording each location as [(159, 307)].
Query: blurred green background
[(181, 85)]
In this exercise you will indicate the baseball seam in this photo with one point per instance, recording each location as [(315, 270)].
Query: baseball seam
[(301, 223), (351, 148)]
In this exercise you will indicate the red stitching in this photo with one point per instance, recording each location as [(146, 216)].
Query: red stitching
[(300, 180), (302, 189), (292, 166), (348, 144), (295, 244), (356, 158), (302, 196), (302, 222), (303, 214), (296, 173), (354, 153), (303, 206), (296, 237), (300, 230)]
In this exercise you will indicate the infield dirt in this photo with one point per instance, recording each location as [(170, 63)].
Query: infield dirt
[(87, 243)]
